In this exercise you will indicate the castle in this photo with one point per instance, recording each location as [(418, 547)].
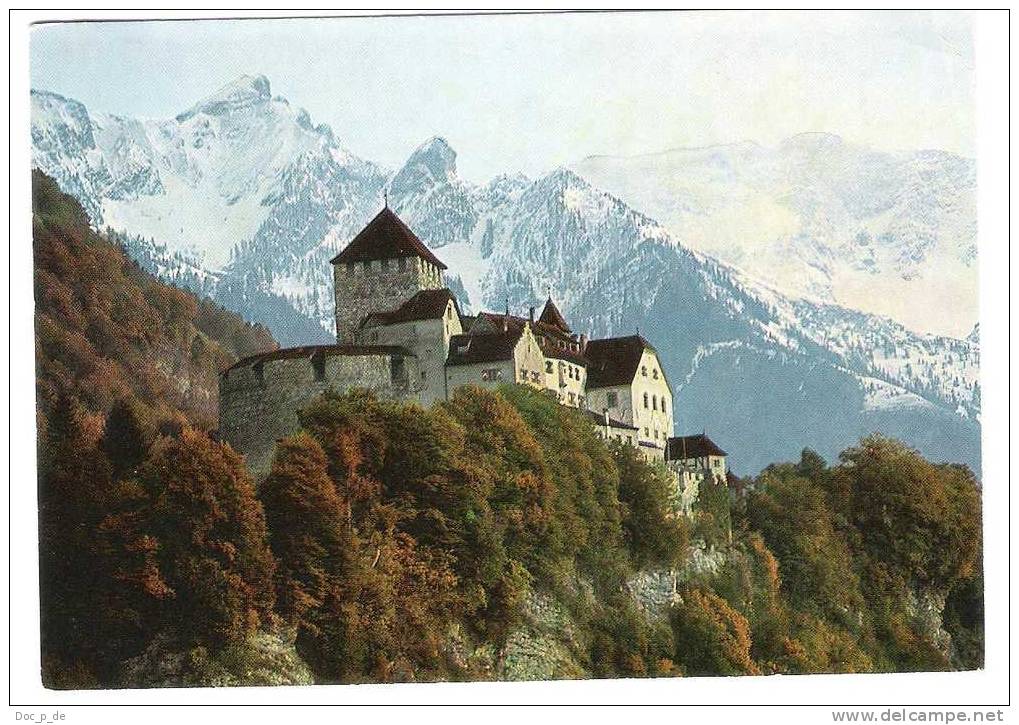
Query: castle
[(400, 333)]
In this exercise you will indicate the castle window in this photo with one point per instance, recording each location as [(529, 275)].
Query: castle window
[(654, 373), (663, 406), (318, 364), (580, 401), (523, 375), (548, 366), (654, 404), (397, 369), (643, 371), (647, 433), (612, 400), (645, 401), (572, 398), (491, 374)]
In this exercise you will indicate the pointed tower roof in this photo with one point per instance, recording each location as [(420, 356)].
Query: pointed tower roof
[(386, 237), (553, 317)]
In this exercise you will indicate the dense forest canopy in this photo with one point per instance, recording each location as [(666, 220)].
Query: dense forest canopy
[(493, 536)]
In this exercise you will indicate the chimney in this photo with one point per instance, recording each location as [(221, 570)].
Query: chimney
[(505, 322), (583, 343), (530, 314)]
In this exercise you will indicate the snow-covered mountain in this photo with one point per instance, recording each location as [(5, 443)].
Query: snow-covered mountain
[(242, 198), (888, 233)]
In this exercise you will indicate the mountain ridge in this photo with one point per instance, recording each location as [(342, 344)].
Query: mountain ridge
[(513, 240)]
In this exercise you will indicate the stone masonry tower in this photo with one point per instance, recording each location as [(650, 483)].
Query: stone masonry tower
[(382, 267)]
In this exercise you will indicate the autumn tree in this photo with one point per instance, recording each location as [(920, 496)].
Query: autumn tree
[(711, 638), (126, 437), (213, 552), (307, 523)]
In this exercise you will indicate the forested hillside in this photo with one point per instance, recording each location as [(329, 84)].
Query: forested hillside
[(107, 330), (494, 536)]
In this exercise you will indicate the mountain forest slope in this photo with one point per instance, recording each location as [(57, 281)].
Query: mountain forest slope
[(106, 330)]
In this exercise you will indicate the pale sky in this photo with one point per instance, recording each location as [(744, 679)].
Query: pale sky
[(529, 93)]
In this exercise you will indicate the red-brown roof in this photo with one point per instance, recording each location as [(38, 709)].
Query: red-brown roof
[(614, 360), (309, 351), (553, 317), (695, 446), (429, 304), (385, 237)]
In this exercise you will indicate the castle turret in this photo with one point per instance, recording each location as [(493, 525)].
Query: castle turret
[(383, 267)]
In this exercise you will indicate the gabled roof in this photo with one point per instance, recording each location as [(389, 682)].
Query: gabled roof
[(310, 351), (695, 446), (552, 317), (549, 337), (385, 237), (614, 360), (490, 347), (429, 304)]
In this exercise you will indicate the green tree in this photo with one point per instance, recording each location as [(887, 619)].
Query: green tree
[(654, 534)]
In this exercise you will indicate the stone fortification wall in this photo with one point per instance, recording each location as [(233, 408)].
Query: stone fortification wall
[(259, 397)]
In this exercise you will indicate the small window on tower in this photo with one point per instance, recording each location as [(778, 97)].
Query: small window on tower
[(548, 366), (643, 370), (645, 401)]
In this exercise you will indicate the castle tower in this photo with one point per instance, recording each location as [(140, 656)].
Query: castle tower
[(382, 267)]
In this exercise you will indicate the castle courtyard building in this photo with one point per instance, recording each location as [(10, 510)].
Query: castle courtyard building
[(627, 382)]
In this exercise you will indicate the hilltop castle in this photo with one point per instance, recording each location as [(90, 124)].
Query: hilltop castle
[(400, 333)]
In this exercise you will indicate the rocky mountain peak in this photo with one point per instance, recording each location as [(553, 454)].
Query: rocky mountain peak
[(434, 161), (245, 91)]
